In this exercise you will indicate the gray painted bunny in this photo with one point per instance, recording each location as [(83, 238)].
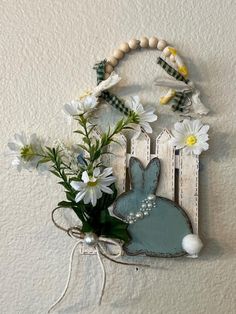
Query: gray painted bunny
[(159, 229)]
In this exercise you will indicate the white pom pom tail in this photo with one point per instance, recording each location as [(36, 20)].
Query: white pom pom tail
[(192, 244)]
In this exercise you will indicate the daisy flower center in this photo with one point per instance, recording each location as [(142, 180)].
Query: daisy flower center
[(92, 183), (137, 117), (85, 94), (191, 140), (27, 152)]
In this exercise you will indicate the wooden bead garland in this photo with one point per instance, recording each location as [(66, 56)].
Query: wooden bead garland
[(109, 68), (113, 61), (133, 44), (161, 44), (144, 42), (118, 54), (166, 52), (153, 42), (125, 47)]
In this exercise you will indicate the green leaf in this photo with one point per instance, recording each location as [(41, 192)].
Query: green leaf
[(91, 129), (70, 197), (80, 132), (79, 212), (87, 227), (55, 173), (65, 184), (65, 204), (44, 160), (113, 227), (86, 140), (97, 154), (84, 147)]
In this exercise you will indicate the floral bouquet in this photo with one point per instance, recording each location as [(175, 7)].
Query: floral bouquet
[(88, 184)]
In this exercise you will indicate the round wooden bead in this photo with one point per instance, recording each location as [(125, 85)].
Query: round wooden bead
[(133, 43), (172, 58), (106, 75), (113, 61), (109, 68), (124, 47), (118, 54), (167, 52), (161, 44), (153, 42), (144, 42)]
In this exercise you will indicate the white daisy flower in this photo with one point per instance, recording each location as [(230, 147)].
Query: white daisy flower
[(191, 136), (22, 151), (91, 187), (145, 115), (89, 99), (85, 105)]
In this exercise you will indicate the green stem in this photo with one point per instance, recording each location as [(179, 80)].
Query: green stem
[(96, 150)]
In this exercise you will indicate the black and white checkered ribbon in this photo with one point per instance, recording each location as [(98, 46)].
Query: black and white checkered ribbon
[(110, 98), (181, 100), (171, 71)]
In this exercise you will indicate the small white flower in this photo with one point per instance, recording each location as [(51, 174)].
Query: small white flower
[(145, 115), (71, 108), (191, 136), (22, 151), (84, 105), (70, 153), (91, 187), (89, 99)]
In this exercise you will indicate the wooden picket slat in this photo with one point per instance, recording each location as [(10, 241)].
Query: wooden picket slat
[(117, 160), (188, 186), (166, 153), (140, 148)]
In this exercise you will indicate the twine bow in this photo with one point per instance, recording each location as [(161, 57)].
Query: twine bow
[(100, 244)]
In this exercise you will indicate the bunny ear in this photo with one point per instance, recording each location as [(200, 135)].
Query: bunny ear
[(151, 176), (136, 173)]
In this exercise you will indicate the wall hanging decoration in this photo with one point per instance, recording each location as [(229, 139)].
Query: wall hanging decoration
[(152, 211)]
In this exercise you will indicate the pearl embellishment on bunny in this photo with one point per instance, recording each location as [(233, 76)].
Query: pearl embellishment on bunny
[(151, 197), (144, 210), (139, 215)]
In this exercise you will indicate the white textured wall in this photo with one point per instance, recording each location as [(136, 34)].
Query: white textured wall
[(47, 51)]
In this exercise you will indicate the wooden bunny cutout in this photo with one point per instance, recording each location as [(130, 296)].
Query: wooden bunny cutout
[(160, 232)]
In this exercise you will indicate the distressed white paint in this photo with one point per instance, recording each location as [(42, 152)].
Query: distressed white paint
[(117, 160), (188, 186), (140, 148), (166, 153), (48, 49)]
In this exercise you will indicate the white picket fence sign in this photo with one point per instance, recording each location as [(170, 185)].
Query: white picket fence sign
[(179, 172)]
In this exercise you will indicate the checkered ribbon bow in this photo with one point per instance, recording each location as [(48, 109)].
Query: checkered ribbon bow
[(184, 93), (182, 99)]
